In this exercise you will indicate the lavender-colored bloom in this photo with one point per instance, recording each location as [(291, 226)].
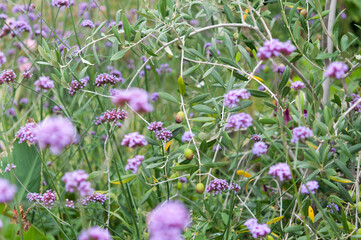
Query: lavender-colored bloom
[(336, 70), (312, 185), (11, 112), (7, 76), (48, 198), (60, 3), (87, 23), (112, 116), (232, 98), (280, 170), (208, 52), (133, 140), (138, 99), (355, 98), (257, 230), (27, 74), (22, 26), (164, 68), (300, 133), (194, 22), (163, 134), (259, 148), (235, 187), (3, 16), (3, 7), (69, 203), (75, 85), (168, 220), (279, 68), (187, 136), (261, 88), (2, 58), (215, 148), (154, 97), (142, 74), (34, 197), (155, 126), (216, 186), (131, 64), (134, 163), (44, 83), (1, 225), (118, 75), (7, 190), (333, 205), (95, 197), (95, 233), (273, 48), (343, 15), (256, 138), (297, 85), (239, 120), (56, 133), (27, 133), (104, 79), (183, 180), (77, 181), (9, 167)]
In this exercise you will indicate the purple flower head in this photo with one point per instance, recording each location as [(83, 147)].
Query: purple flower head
[(259, 148), (155, 126), (22, 26), (154, 97), (256, 138), (134, 163), (87, 23), (261, 88), (7, 190), (355, 98), (27, 133), (336, 70), (3, 16), (75, 85), (131, 64), (11, 112), (164, 68), (118, 75), (143, 58), (69, 203), (238, 121), (216, 186), (3, 7), (280, 170), (48, 198), (297, 85), (279, 68), (95, 233), (2, 58), (312, 185), (60, 3), (194, 22), (168, 220), (232, 98), (138, 99), (300, 133), (27, 74), (273, 48), (95, 197), (163, 134), (104, 79), (112, 116), (257, 230), (235, 187), (183, 180), (77, 181), (55, 133), (333, 205), (215, 148), (133, 140), (7, 76), (9, 167), (187, 136), (43, 83)]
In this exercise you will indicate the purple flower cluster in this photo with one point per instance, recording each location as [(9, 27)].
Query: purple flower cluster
[(2, 58), (355, 98), (312, 185), (7, 76), (238, 121), (164, 68), (256, 138), (168, 220), (336, 70), (60, 3), (187, 136), (273, 48), (69, 203), (75, 85), (259, 148), (134, 163), (334, 205), (154, 96), (297, 85), (47, 199), (112, 116), (7, 190), (216, 186), (27, 133), (9, 167), (133, 140), (27, 74), (95, 233), (77, 181), (118, 75), (280, 170), (104, 79), (300, 133), (95, 197), (257, 230), (231, 99), (160, 132), (87, 23), (155, 126), (44, 83), (55, 133), (138, 99)]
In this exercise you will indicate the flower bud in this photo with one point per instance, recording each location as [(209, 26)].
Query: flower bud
[(358, 205), (188, 153), (179, 185), (179, 117), (303, 13), (200, 188)]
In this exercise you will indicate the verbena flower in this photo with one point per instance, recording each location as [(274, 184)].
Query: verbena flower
[(9, 167), (280, 170), (95, 197), (238, 121), (187, 136), (2, 58), (154, 97), (138, 99), (69, 203), (55, 133), (134, 163), (112, 116), (300, 133), (273, 48), (7, 76), (155, 126), (95, 233), (75, 85), (48, 198), (118, 75), (257, 230), (336, 70), (232, 98), (355, 98), (297, 85), (334, 205), (312, 185), (27, 133), (259, 148), (163, 134), (44, 83), (27, 74), (104, 78), (133, 140), (7, 190), (87, 23), (60, 3), (216, 186), (168, 220), (256, 138), (77, 181)]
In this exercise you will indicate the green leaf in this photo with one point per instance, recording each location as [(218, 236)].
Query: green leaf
[(126, 27), (323, 56), (246, 56), (168, 97), (293, 229), (183, 167), (181, 85), (229, 62), (191, 70), (228, 12), (260, 94), (355, 148), (202, 119), (204, 109), (267, 121), (198, 98), (285, 77), (118, 55)]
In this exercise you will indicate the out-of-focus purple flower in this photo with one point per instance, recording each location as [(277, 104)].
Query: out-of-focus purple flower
[(87, 23), (27, 74), (7, 76), (232, 98), (138, 99), (208, 52), (69, 203), (7, 190), (155, 126), (143, 58), (55, 133), (261, 88), (336, 70), (355, 98), (312, 185), (279, 68), (273, 48), (77, 181), (343, 15), (3, 7), (164, 68), (297, 85), (34, 197), (168, 220), (215, 148), (216, 186), (300, 133), (333, 205), (43, 83), (95, 197), (95, 233), (75, 85), (280, 170), (238, 121), (3, 16), (118, 75), (22, 26), (131, 64), (133, 140), (154, 97), (142, 74), (256, 138), (2, 58), (194, 22), (11, 112), (60, 3), (134, 163), (259, 148), (112, 116), (9, 167), (27, 133), (183, 180), (257, 230), (104, 79), (113, 23), (235, 187), (187, 136)]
